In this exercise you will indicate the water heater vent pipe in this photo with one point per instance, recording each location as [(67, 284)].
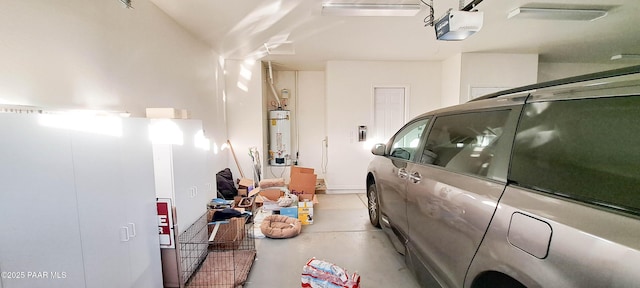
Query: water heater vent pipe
[(273, 88)]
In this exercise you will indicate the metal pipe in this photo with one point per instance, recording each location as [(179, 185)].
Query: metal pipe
[(273, 88)]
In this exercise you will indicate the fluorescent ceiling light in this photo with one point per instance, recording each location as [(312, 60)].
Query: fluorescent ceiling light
[(626, 57), (341, 9), (557, 14)]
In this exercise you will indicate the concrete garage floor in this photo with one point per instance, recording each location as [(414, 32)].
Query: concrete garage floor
[(341, 234)]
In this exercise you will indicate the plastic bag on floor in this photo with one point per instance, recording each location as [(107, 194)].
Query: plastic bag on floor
[(322, 274), (257, 222)]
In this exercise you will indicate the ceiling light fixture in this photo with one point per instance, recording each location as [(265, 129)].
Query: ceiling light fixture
[(557, 14), (626, 57), (341, 9)]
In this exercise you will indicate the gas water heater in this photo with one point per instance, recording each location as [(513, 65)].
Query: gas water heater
[(279, 137)]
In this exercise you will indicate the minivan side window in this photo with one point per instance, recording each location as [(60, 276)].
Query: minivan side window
[(587, 149), (407, 140), (466, 143)]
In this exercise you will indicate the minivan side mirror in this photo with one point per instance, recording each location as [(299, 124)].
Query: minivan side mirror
[(379, 149)]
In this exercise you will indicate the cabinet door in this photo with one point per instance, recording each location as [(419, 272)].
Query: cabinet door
[(188, 174), (38, 206), (136, 161), (103, 224)]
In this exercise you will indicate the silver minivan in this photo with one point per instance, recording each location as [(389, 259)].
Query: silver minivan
[(537, 186)]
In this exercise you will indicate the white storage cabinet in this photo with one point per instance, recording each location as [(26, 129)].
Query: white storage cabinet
[(183, 173), (78, 207)]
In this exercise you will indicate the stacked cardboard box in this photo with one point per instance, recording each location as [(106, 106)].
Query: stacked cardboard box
[(229, 235), (303, 183), (244, 186)]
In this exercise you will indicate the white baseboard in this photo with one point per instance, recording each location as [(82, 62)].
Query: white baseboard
[(346, 191)]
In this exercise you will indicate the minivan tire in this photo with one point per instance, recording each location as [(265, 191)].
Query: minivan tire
[(373, 205)]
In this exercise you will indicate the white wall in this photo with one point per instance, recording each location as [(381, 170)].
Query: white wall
[(451, 73), (349, 95), (312, 119), (98, 55), (553, 71), (246, 119), (486, 70)]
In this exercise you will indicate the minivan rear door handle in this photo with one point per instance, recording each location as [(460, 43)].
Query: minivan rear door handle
[(402, 173), (415, 177)]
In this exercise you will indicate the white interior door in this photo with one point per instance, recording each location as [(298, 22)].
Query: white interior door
[(388, 111)]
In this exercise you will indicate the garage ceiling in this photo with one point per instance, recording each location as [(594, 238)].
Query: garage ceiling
[(300, 38)]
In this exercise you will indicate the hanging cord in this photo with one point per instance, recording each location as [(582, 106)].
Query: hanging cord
[(284, 169), (429, 20), (325, 155), (325, 159)]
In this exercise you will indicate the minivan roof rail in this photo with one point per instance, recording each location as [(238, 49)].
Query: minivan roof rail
[(564, 81)]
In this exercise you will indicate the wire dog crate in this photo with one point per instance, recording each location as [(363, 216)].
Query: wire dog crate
[(218, 255)]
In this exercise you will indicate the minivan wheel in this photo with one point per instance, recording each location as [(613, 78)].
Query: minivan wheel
[(373, 205)]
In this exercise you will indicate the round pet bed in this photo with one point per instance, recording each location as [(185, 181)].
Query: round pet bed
[(280, 226)]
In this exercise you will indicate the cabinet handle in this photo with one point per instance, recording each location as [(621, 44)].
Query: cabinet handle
[(124, 234), (132, 230)]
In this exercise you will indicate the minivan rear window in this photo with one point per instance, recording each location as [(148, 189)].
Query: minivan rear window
[(587, 149)]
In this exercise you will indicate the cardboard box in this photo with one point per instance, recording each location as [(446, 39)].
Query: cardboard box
[(254, 191), (308, 197), (302, 180), (229, 234), (301, 170), (321, 186), (245, 183), (289, 211), (271, 194), (167, 113), (305, 212), (243, 192)]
